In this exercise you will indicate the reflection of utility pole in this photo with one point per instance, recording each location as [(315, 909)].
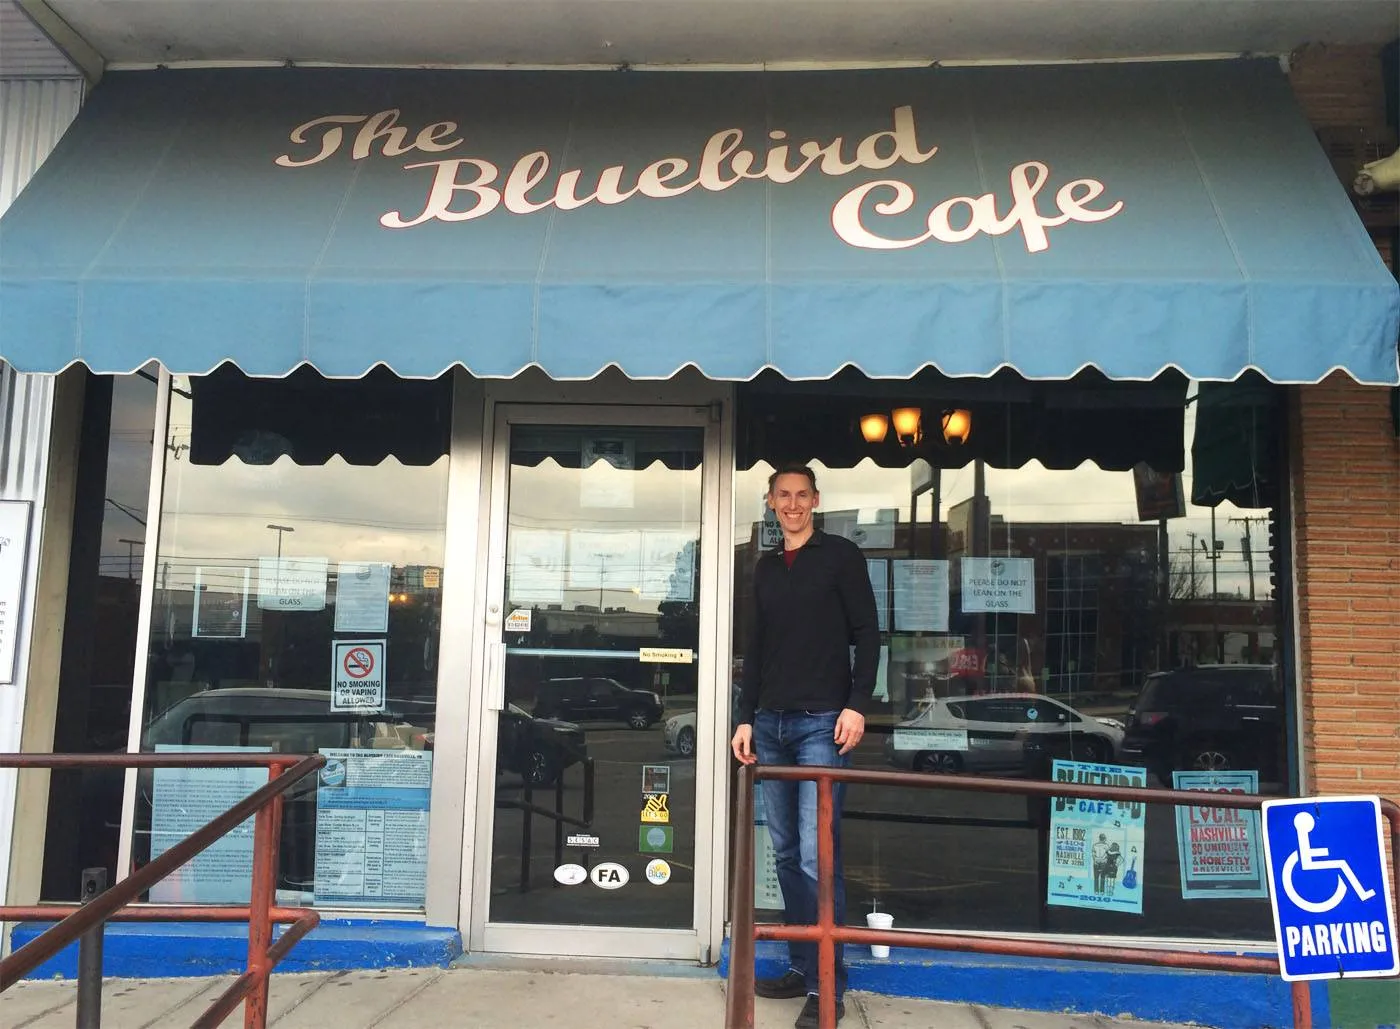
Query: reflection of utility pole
[(602, 577), (1213, 554), (277, 575), (981, 544), (131, 546), (1247, 545), (1192, 551)]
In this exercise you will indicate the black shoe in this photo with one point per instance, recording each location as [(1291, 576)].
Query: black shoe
[(788, 985), (810, 1017)]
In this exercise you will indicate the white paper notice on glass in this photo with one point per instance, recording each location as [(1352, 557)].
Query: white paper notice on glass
[(292, 583), (14, 550), (372, 827), (920, 595), (183, 800), (878, 570), (362, 596), (997, 584), (607, 470), (882, 674), (220, 603), (604, 560), (536, 564), (668, 565)]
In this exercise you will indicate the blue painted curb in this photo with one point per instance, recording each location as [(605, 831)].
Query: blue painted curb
[(140, 950), (1218, 999)]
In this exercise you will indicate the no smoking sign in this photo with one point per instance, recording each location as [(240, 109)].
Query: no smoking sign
[(357, 675)]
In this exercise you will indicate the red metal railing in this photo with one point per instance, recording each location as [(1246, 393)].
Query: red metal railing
[(263, 804), (739, 1012)]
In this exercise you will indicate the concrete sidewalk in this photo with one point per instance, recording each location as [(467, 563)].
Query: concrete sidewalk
[(479, 998)]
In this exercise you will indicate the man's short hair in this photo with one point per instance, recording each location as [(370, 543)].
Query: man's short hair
[(792, 468)]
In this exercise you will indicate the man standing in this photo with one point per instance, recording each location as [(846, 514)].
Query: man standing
[(803, 703)]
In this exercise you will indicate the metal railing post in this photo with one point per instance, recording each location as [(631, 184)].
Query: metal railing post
[(1302, 1006), (94, 883), (267, 833), (826, 903), (739, 998)]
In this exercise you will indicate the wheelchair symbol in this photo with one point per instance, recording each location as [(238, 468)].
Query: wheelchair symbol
[(1315, 859)]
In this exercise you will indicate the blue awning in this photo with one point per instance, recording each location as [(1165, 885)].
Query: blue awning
[(1128, 217)]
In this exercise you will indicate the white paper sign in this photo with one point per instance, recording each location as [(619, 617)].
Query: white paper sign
[(604, 560), (357, 675), (519, 620), (867, 529), (668, 565), (606, 473), (930, 739), (220, 613), (536, 566), (362, 597), (877, 568), (292, 583), (183, 800), (14, 548), (998, 584), (372, 827), (921, 595)]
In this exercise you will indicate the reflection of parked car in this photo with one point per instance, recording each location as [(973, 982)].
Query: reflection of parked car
[(1005, 732), (679, 734), (1208, 718), (596, 699), (538, 749)]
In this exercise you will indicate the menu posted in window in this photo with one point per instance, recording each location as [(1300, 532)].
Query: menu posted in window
[(372, 827)]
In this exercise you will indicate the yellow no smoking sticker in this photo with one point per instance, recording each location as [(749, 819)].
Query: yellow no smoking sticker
[(655, 810)]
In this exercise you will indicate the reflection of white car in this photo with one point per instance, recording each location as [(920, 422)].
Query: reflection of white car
[(1005, 732), (679, 734)]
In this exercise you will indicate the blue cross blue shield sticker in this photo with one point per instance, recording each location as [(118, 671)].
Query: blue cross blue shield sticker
[(1333, 912)]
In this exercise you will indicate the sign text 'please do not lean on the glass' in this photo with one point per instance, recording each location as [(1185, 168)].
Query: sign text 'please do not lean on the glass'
[(466, 188)]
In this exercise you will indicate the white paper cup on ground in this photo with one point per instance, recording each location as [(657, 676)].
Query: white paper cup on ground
[(879, 920)]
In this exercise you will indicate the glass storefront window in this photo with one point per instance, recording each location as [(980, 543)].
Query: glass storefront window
[(1090, 579), (112, 483), (297, 608)]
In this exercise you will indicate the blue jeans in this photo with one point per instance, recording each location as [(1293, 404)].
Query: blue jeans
[(801, 738)]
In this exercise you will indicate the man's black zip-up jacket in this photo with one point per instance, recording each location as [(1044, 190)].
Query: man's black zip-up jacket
[(804, 621)]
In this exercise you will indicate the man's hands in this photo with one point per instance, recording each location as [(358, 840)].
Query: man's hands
[(742, 745), (850, 727)]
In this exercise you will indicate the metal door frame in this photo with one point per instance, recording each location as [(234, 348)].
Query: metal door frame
[(700, 404)]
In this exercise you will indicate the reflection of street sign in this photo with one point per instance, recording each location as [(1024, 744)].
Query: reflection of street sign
[(1333, 915)]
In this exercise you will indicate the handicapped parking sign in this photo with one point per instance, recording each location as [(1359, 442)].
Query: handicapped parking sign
[(1333, 913)]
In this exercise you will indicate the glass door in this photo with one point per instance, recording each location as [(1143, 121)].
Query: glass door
[(596, 834)]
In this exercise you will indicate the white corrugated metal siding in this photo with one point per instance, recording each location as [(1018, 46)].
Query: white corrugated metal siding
[(25, 52), (33, 115)]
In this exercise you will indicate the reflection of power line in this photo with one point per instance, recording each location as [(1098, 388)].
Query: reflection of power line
[(128, 511)]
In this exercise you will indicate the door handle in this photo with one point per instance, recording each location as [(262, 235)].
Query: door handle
[(495, 676)]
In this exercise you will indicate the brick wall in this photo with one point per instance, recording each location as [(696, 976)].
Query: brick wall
[(1346, 493)]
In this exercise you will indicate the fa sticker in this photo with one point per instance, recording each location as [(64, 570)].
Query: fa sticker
[(655, 809), (658, 872), (609, 875), (570, 875)]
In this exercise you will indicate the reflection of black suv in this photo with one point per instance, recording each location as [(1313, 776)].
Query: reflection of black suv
[(1208, 718), (595, 699)]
